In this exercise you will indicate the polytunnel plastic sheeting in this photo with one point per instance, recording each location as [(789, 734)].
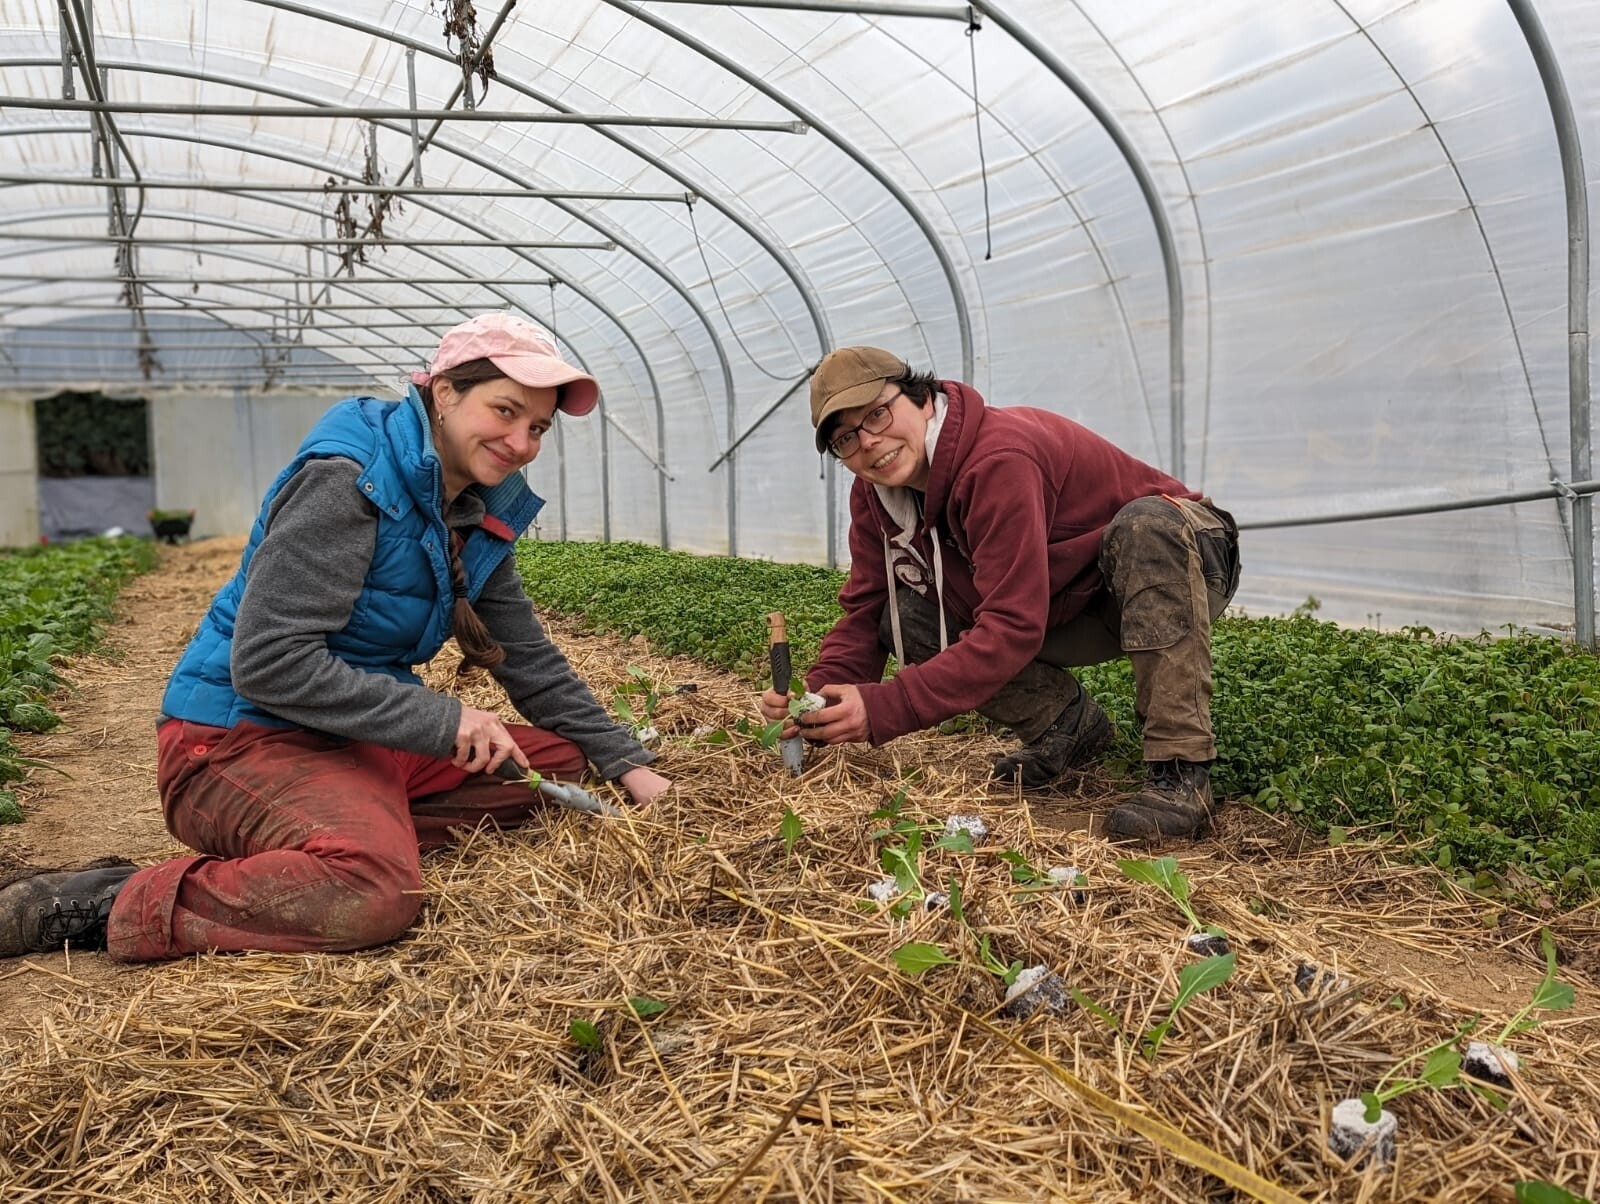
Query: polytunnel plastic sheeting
[(1363, 197)]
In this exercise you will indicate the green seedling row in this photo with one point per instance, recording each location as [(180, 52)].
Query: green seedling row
[(53, 602), (1480, 755)]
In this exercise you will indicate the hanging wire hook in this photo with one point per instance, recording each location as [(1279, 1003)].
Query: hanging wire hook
[(715, 292), (974, 24)]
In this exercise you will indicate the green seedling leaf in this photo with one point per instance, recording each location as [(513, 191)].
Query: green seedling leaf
[(1337, 835), (1090, 1005), (1162, 872), (959, 841), (957, 902), (797, 685), (1442, 1069), (584, 1034), (720, 736), (644, 1007), (1202, 976), (1151, 1043), (1537, 1191), (1021, 872), (1010, 975), (1374, 1112), (901, 908), (790, 829), (769, 733), (917, 957), (1553, 996), (624, 709)]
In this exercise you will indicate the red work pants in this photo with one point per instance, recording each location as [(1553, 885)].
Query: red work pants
[(307, 842)]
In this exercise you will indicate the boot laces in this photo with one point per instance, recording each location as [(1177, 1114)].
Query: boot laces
[(76, 921), (1165, 775)]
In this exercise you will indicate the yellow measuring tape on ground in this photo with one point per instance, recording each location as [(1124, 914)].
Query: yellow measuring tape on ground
[(1169, 1138)]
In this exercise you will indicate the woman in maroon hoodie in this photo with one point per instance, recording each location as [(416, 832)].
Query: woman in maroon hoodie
[(993, 548)]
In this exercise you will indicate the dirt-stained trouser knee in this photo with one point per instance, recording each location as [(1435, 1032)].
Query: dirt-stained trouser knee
[(1171, 566), (1028, 704)]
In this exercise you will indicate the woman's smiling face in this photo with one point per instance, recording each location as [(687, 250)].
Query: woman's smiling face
[(490, 430), (896, 456)]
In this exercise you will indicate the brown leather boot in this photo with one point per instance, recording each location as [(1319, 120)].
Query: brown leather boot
[(1080, 734), (47, 911), (1176, 801)]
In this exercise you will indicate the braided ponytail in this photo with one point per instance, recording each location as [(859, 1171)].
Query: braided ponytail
[(478, 648)]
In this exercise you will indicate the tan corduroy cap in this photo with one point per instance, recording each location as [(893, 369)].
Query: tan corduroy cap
[(849, 377)]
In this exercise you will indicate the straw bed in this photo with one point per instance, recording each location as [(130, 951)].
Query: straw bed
[(792, 1061)]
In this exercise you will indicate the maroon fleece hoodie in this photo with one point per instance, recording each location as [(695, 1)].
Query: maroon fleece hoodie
[(1019, 498)]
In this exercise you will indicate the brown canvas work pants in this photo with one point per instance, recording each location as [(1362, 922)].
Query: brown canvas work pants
[(1171, 566)]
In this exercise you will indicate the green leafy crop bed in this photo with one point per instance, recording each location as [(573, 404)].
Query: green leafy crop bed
[(52, 603), (1483, 755)]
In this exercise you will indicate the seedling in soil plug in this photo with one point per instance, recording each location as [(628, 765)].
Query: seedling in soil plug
[(1364, 1124), (1491, 1060), (1164, 872), (1071, 875), (970, 826), (1036, 989), (641, 718), (1022, 873), (1193, 979), (585, 1036), (1351, 1133)]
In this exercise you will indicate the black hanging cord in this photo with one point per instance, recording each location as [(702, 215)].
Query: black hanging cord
[(973, 26), (715, 292)]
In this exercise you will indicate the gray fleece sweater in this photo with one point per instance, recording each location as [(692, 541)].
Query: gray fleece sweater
[(303, 583)]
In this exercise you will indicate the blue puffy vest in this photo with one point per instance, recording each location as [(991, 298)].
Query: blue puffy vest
[(402, 617)]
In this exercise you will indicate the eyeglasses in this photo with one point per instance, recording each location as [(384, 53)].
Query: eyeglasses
[(875, 422)]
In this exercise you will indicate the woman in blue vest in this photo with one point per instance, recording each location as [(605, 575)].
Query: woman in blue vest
[(299, 753)]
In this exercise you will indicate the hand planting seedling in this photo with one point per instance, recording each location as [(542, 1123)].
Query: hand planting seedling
[(1491, 1060), (1164, 872), (639, 718)]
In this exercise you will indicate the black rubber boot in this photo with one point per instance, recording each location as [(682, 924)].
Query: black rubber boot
[(1175, 802), (49, 911), (1080, 734)]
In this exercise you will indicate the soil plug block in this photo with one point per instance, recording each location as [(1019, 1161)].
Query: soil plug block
[(1311, 979), (1035, 989), (1489, 1062), (884, 889), (648, 735), (1352, 1132), (1068, 875), (1207, 945), (972, 825), (934, 900)]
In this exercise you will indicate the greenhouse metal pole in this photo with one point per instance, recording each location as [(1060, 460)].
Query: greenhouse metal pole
[(848, 7), (382, 113), (1578, 402), (1579, 488), (1152, 200), (356, 189), (779, 254)]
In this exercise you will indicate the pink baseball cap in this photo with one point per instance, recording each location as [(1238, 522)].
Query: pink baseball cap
[(523, 351)]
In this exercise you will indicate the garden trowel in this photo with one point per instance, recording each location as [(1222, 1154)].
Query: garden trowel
[(568, 794), (794, 748)]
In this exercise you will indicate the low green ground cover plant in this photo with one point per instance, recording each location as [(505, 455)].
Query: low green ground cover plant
[(1481, 754), (53, 601)]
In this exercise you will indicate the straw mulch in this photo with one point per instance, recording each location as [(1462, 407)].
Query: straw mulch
[(792, 1060)]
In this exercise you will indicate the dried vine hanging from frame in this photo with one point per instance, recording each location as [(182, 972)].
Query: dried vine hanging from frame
[(379, 206), (461, 26)]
